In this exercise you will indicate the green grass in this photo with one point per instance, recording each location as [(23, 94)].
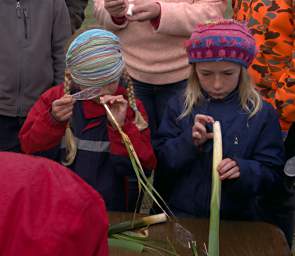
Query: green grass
[(89, 19)]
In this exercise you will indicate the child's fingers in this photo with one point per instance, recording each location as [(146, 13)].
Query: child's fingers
[(62, 108), (197, 135), (200, 128), (204, 119), (67, 99), (234, 175), (225, 165), (114, 3), (210, 135), (230, 174), (67, 116), (105, 99), (111, 99), (59, 112), (61, 115)]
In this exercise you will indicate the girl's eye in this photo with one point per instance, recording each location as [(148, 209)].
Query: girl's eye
[(206, 74), (228, 73)]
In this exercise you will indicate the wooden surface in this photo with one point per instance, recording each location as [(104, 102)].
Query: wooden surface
[(237, 238)]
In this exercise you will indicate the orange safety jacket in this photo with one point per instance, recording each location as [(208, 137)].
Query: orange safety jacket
[(273, 70)]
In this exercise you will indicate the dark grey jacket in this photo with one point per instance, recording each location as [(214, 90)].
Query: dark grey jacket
[(33, 37), (76, 10)]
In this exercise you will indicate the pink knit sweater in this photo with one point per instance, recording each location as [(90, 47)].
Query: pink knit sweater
[(158, 56)]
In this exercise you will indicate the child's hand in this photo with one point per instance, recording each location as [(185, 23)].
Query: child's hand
[(62, 109), (145, 10), (118, 105), (116, 8), (228, 169), (199, 132)]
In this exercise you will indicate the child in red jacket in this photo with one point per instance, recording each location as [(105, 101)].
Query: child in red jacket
[(48, 210), (79, 133)]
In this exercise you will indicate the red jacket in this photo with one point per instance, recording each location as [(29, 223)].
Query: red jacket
[(40, 132), (47, 210)]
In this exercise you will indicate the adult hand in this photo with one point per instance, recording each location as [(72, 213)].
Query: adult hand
[(228, 169), (62, 109), (118, 106), (145, 10), (116, 8), (199, 132)]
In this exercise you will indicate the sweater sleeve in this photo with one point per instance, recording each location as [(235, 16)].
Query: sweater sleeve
[(104, 19), (175, 146), (40, 131), (141, 140), (264, 170), (61, 32), (179, 18)]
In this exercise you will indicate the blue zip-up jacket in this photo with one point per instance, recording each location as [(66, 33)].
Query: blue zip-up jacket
[(254, 143)]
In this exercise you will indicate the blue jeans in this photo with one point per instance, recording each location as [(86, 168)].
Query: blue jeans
[(155, 99)]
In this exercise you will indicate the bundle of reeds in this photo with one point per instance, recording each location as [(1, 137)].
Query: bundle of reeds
[(121, 237), (143, 182)]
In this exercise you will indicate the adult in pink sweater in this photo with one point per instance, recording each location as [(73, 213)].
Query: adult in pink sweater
[(153, 44)]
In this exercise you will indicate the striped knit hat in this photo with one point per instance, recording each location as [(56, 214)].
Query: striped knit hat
[(223, 40), (94, 58)]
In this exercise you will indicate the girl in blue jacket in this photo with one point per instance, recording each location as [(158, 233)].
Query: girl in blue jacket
[(219, 89)]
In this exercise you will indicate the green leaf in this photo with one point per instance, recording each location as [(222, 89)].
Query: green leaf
[(127, 245)]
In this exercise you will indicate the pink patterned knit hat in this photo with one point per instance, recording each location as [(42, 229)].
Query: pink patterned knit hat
[(222, 40)]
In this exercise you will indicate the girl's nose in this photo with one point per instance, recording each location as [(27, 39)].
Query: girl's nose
[(217, 83)]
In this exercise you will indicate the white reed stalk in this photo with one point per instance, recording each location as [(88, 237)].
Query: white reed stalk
[(215, 192)]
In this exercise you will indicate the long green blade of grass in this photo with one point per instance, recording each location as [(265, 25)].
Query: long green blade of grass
[(215, 193), (142, 179)]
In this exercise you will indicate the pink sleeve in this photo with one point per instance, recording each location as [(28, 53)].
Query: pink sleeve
[(104, 19), (179, 18)]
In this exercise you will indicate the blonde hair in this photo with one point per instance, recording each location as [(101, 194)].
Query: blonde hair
[(70, 143), (250, 99), (139, 121)]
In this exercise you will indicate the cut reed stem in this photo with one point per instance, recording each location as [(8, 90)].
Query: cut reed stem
[(215, 192)]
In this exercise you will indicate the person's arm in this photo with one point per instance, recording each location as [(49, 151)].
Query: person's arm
[(40, 131), (141, 140), (76, 11), (263, 171), (175, 147), (104, 18), (61, 32), (177, 18)]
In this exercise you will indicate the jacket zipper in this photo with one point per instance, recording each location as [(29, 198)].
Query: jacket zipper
[(19, 13), (25, 11), (18, 9)]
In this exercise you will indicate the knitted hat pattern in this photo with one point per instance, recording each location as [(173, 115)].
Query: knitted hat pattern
[(94, 58), (222, 40)]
